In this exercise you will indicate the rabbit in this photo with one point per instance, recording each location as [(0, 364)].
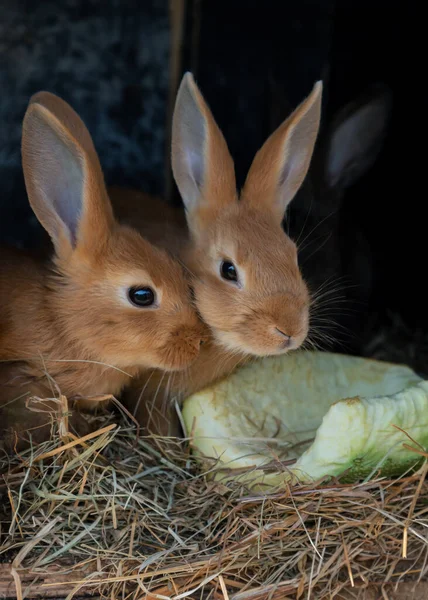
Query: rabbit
[(246, 280), (106, 306), (334, 253), (346, 149), (336, 260)]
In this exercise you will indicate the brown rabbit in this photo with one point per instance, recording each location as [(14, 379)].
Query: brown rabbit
[(335, 260), (245, 275), (107, 305)]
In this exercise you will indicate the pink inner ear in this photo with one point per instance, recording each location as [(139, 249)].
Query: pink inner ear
[(57, 171), (355, 143), (195, 165), (292, 172), (188, 146), (285, 172), (67, 194)]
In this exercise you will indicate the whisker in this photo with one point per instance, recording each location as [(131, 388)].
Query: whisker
[(305, 222), (137, 405), (317, 225), (194, 276)]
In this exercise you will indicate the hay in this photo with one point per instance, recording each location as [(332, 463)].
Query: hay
[(124, 516)]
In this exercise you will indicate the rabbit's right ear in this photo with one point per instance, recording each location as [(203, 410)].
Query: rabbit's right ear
[(202, 166), (280, 166), (63, 177)]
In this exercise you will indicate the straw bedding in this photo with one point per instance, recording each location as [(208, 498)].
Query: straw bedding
[(121, 516)]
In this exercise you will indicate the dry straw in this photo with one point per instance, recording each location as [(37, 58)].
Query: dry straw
[(122, 516)]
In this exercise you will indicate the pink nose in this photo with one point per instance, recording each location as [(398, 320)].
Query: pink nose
[(286, 339)]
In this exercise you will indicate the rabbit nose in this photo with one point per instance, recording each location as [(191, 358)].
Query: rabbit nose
[(286, 339)]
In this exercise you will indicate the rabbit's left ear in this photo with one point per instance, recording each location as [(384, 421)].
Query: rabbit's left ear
[(356, 136), (281, 165)]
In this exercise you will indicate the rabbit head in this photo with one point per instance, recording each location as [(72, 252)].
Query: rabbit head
[(121, 299), (247, 282)]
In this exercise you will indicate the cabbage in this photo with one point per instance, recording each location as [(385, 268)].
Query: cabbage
[(310, 415)]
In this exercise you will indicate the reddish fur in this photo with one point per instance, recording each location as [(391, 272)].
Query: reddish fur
[(74, 308), (248, 231)]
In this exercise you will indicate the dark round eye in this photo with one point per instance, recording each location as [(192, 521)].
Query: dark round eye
[(141, 296), (228, 271)]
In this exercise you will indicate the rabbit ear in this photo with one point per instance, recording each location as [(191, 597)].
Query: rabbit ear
[(356, 137), (63, 176), (202, 166), (280, 166)]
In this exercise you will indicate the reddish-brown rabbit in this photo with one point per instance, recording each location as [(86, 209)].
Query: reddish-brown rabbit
[(107, 305), (245, 275)]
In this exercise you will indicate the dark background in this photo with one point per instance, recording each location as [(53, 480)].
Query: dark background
[(254, 62)]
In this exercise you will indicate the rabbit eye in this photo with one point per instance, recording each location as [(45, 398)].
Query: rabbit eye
[(228, 271), (141, 296)]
